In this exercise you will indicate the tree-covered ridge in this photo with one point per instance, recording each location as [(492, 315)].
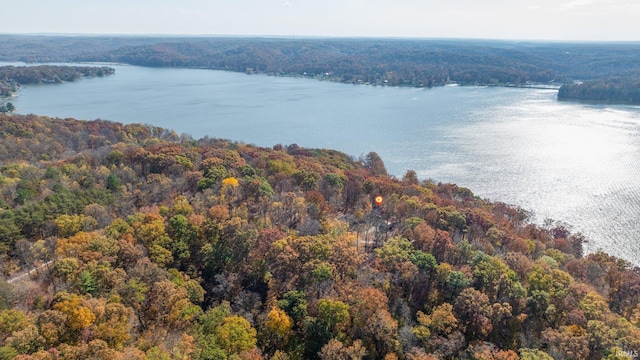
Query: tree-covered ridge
[(615, 90), (11, 77), (151, 245), (382, 62), (399, 62)]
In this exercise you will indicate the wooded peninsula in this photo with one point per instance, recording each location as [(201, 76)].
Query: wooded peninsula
[(144, 244), (391, 62), (12, 77), (613, 90)]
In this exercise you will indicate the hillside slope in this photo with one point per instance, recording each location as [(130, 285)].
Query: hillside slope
[(162, 246)]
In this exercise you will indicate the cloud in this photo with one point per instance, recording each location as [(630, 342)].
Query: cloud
[(599, 5), (575, 4), (287, 4)]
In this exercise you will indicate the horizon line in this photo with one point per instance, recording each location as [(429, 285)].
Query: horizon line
[(296, 36)]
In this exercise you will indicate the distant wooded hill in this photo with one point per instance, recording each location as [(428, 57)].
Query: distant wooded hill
[(397, 62)]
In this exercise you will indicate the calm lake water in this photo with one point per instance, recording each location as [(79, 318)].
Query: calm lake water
[(570, 162)]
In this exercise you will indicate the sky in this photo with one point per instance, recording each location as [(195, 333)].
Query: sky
[(568, 20)]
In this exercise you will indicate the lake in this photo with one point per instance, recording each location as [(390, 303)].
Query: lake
[(572, 162)]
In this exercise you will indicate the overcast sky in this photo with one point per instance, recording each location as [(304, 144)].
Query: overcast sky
[(488, 19)]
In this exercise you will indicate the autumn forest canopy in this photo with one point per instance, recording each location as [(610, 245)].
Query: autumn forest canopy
[(146, 244)]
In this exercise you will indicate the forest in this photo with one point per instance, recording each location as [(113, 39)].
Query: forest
[(134, 242), (613, 90), (12, 77), (382, 61)]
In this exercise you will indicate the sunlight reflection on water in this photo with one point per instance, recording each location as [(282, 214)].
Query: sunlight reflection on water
[(570, 162)]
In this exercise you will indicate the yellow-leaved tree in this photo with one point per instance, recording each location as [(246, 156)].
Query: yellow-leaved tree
[(79, 315)]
